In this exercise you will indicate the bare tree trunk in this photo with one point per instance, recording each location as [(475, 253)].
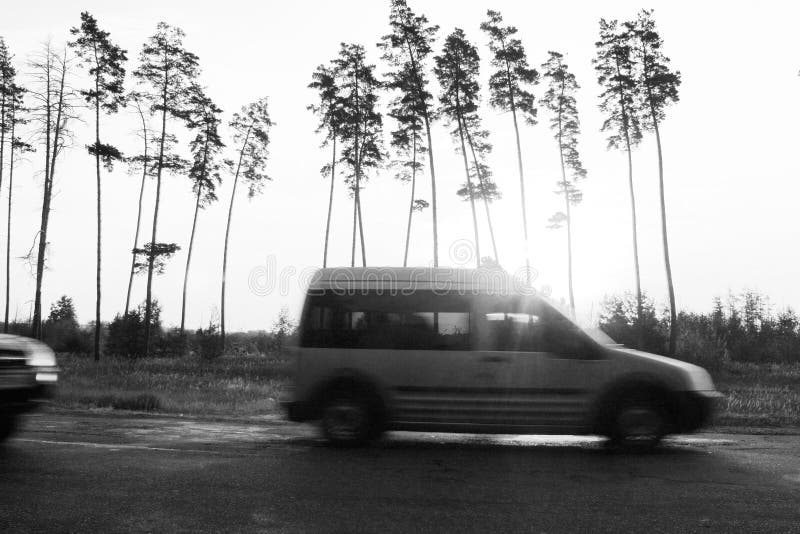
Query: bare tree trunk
[(52, 151), (470, 191), (138, 213), (189, 258), (510, 86), (97, 323), (411, 204), (227, 236), (330, 204), (673, 316), (355, 222), (361, 230), (483, 196), (418, 80), (8, 222), (151, 257), (639, 310)]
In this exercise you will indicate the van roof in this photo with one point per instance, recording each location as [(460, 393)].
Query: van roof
[(423, 278)]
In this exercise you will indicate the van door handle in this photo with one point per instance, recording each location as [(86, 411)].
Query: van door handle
[(495, 359)]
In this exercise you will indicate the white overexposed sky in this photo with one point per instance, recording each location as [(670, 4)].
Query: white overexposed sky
[(730, 148)]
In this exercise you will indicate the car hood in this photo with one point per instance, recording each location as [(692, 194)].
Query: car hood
[(697, 377)]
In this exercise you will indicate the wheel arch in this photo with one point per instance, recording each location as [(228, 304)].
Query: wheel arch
[(628, 386)]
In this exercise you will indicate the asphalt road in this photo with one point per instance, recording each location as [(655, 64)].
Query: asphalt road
[(105, 472)]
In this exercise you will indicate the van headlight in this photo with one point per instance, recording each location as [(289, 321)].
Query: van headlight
[(41, 357)]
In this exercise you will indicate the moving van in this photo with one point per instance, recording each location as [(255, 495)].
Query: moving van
[(460, 350)]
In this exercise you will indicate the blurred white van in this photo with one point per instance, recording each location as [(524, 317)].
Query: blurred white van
[(459, 350)]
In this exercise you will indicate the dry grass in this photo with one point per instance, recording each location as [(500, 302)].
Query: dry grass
[(759, 395), (755, 395), (241, 385)]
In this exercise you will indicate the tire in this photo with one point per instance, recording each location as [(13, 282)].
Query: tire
[(638, 423), (349, 419), (7, 426)]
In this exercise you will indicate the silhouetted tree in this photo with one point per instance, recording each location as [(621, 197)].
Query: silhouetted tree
[(362, 127), (168, 69), (616, 75), (204, 172), (507, 86), (52, 111), (406, 49), (7, 76), (330, 112), (559, 99), (105, 61), (457, 71), (251, 129), (659, 88), (408, 143), (13, 115), (143, 161)]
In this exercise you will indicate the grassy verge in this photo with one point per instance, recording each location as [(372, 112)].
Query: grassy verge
[(755, 395), (240, 385), (758, 394)]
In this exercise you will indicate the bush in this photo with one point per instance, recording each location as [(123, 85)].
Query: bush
[(208, 342), (126, 332)]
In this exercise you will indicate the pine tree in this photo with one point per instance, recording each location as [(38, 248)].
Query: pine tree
[(406, 49), (330, 112), (204, 171), (362, 127), (507, 86), (15, 115), (616, 75), (52, 111), (168, 69), (144, 162), (559, 99), (457, 69), (658, 86), (251, 129), (105, 61)]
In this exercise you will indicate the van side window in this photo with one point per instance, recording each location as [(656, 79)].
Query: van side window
[(379, 320), (521, 324)]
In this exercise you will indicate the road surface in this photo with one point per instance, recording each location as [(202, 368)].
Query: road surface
[(110, 472)]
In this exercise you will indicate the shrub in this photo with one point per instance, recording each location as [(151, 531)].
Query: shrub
[(126, 332), (208, 342)]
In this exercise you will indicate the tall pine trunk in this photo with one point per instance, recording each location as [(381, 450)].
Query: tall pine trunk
[(148, 312), (138, 216), (469, 190), (330, 204), (673, 316), (569, 214), (227, 237), (426, 117), (483, 196), (54, 129), (639, 307), (411, 203), (97, 323), (8, 221), (189, 258)]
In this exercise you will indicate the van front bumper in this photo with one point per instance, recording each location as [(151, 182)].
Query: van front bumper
[(299, 411), (695, 409)]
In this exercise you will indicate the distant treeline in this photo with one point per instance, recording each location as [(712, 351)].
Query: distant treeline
[(742, 328)]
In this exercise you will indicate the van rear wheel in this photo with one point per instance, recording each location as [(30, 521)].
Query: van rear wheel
[(348, 419), (638, 424)]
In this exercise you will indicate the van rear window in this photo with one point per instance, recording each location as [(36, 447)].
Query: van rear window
[(374, 320)]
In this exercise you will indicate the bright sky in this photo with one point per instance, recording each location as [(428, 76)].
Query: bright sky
[(731, 179)]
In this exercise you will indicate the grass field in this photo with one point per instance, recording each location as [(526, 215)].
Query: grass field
[(755, 395)]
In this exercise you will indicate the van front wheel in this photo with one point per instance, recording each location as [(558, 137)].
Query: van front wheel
[(638, 424), (347, 419)]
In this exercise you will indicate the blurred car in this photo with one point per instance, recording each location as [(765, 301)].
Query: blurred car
[(28, 374), (459, 350)]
